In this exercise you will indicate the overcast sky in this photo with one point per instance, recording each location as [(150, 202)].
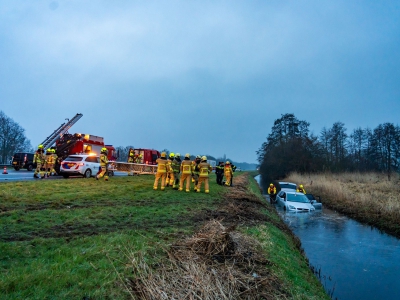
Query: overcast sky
[(205, 77)]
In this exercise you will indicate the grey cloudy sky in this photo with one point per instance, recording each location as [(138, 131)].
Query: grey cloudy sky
[(205, 77)]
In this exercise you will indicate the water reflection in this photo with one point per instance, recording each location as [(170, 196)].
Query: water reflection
[(355, 260)]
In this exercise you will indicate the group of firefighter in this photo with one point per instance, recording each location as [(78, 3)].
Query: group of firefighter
[(45, 162), (272, 192), (177, 173)]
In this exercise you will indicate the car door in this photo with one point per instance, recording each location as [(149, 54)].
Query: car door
[(91, 163), (281, 198)]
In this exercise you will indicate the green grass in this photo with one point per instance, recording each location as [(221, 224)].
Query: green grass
[(67, 239)]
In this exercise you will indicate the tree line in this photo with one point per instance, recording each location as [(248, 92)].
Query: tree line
[(290, 147), (12, 138)]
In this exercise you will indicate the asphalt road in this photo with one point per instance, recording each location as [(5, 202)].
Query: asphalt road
[(23, 175)]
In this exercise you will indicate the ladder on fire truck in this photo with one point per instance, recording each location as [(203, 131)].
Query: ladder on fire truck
[(60, 131)]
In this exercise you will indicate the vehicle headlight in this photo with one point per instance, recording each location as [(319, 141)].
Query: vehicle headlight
[(292, 207)]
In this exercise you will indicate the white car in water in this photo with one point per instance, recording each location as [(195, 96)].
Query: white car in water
[(294, 201), (289, 186)]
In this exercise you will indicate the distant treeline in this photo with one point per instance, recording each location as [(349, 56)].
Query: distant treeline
[(290, 147)]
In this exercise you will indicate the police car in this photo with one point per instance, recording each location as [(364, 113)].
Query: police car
[(80, 165)]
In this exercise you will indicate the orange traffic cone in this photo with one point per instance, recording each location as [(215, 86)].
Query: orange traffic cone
[(5, 170)]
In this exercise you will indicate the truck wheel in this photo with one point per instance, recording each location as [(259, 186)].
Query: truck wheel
[(16, 168), (87, 174), (29, 168), (65, 175)]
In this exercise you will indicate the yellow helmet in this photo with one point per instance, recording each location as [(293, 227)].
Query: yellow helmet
[(40, 146), (187, 155), (131, 154), (163, 154), (171, 155), (204, 157), (103, 150), (227, 162), (301, 186)]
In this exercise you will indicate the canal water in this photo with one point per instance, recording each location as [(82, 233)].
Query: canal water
[(352, 260)]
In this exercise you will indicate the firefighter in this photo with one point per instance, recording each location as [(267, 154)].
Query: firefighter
[(176, 169), (272, 193), (49, 163), (162, 170), (219, 171), (170, 173), (228, 173), (55, 160), (103, 165), (196, 171), (205, 169), (39, 159), (186, 171), (131, 159), (301, 189)]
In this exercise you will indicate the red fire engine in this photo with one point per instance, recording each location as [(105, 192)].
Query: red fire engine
[(148, 156)]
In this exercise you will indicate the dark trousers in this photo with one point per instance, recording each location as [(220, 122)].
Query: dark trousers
[(219, 178)]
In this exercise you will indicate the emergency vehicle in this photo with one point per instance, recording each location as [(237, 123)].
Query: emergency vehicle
[(148, 156)]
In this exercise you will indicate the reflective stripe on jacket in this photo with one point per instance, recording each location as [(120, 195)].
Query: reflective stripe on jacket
[(205, 169), (186, 167), (163, 166), (103, 160)]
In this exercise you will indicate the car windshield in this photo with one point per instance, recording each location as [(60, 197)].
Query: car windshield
[(297, 198), (73, 158), (310, 197), (287, 186)]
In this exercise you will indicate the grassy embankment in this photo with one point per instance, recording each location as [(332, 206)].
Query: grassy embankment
[(369, 197), (87, 239)]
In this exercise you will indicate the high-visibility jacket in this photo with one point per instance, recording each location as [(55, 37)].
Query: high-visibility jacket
[(131, 159), (103, 160), (272, 190), (219, 169), (176, 165), (205, 169), (228, 169), (301, 190), (163, 166), (50, 159), (196, 166), (39, 158), (55, 158), (186, 166)]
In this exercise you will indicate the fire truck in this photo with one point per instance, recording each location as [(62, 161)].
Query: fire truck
[(148, 156), (65, 143)]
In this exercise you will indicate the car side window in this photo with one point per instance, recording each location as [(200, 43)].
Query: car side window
[(283, 195), (92, 159)]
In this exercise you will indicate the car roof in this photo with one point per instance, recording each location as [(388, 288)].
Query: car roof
[(287, 191)]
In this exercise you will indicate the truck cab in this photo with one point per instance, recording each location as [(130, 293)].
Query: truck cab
[(149, 156)]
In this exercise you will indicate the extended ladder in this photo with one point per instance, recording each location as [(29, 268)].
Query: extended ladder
[(60, 131)]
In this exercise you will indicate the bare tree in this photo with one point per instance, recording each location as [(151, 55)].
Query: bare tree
[(12, 138)]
